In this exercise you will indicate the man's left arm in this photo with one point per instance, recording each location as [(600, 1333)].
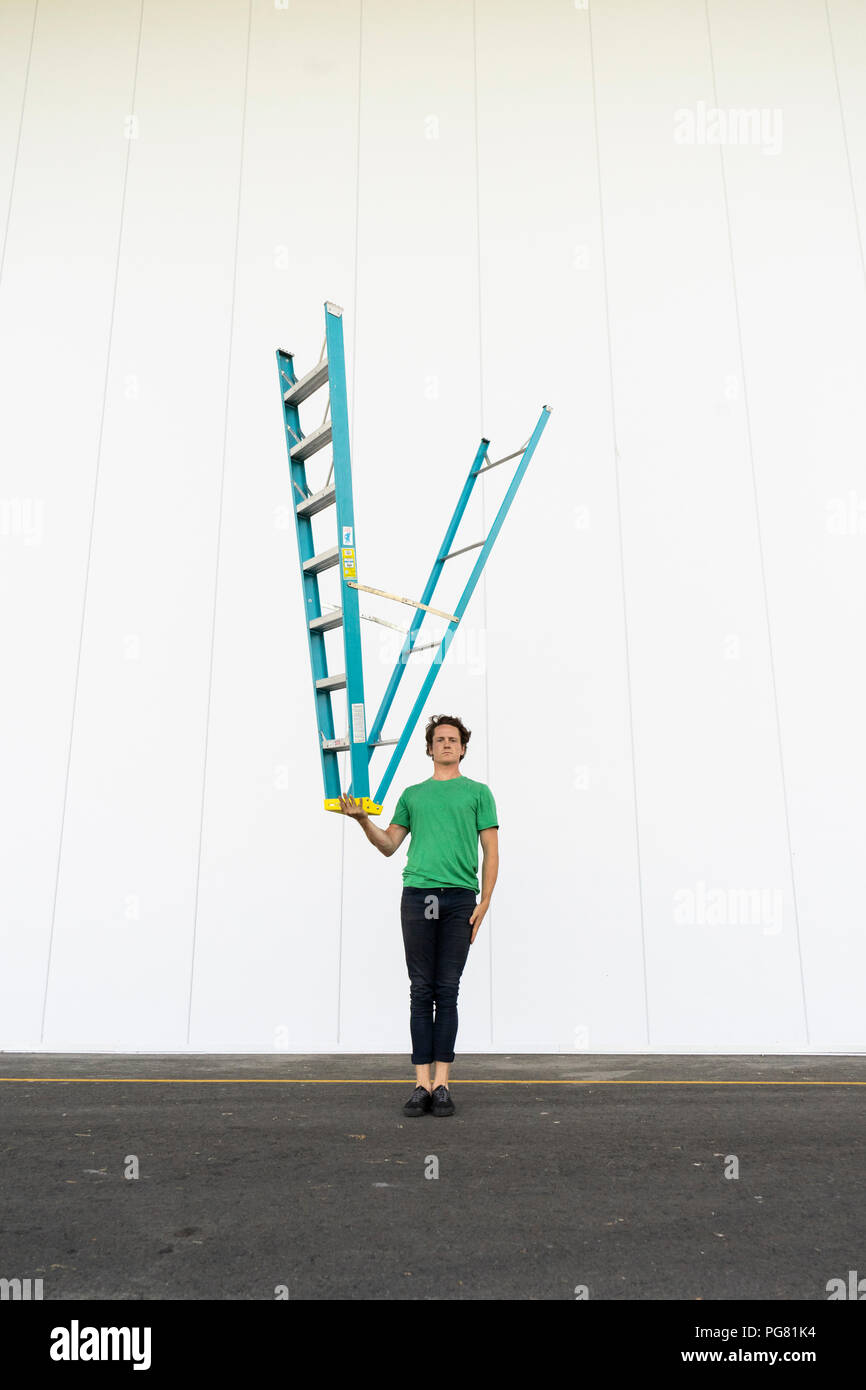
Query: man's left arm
[(490, 868)]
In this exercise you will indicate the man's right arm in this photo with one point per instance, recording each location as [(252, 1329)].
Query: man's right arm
[(386, 841)]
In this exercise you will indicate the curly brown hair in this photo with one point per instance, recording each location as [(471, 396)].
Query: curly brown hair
[(453, 719)]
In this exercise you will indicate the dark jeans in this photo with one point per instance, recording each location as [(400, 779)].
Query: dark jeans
[(436, 935)]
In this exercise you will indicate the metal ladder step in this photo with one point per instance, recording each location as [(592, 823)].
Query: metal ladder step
[(327, 621), (450, 556), (341, 745), (337, 682), (325, 560), (317, 502), (311, 443), (306, 385)]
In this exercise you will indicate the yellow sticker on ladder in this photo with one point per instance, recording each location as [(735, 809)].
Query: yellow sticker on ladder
[(349, 562)]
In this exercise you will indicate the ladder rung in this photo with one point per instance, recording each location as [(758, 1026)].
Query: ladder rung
[(486, 467), (307, 384), (451, 553), (323, 561), (317, 501), (337, 682), (317, 439), (339, 745), (327, 621)]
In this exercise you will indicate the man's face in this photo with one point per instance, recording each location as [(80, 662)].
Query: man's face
[(447, 747)]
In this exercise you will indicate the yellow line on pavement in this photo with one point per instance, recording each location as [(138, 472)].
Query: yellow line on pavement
[(388, 1081)]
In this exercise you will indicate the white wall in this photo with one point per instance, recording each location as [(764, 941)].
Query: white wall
[(663, 667)]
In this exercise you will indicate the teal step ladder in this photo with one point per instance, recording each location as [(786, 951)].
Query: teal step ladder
[(360, 742)]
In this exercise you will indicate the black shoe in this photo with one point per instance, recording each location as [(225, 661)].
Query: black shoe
[(418, 1103), (442, 1102)]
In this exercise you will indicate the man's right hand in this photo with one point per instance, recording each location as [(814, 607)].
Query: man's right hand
[(353, 808)]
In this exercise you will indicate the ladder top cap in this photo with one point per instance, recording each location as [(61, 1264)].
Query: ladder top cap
[(284, 353), (333, 308)]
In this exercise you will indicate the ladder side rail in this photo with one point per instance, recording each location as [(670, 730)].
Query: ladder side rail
[(461, 606), (503, 512), (358, 751), (412, 720), (309, 582), (412, 633)]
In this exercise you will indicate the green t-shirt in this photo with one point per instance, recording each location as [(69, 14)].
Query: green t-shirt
[(444, 818)]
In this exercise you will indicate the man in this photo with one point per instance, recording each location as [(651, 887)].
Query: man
[(445, 816)]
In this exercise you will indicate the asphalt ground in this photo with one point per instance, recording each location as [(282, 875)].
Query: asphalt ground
[(561, 1177)]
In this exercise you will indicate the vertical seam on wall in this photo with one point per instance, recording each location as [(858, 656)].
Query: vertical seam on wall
[(845, 141), (18, 142), (90, 538), (619, 530), (219, 519), (758, 528), (347, 755), (483, 481)]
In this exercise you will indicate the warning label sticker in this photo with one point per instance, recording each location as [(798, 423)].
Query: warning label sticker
[(359, 733), (347, 536), (349, 562)]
